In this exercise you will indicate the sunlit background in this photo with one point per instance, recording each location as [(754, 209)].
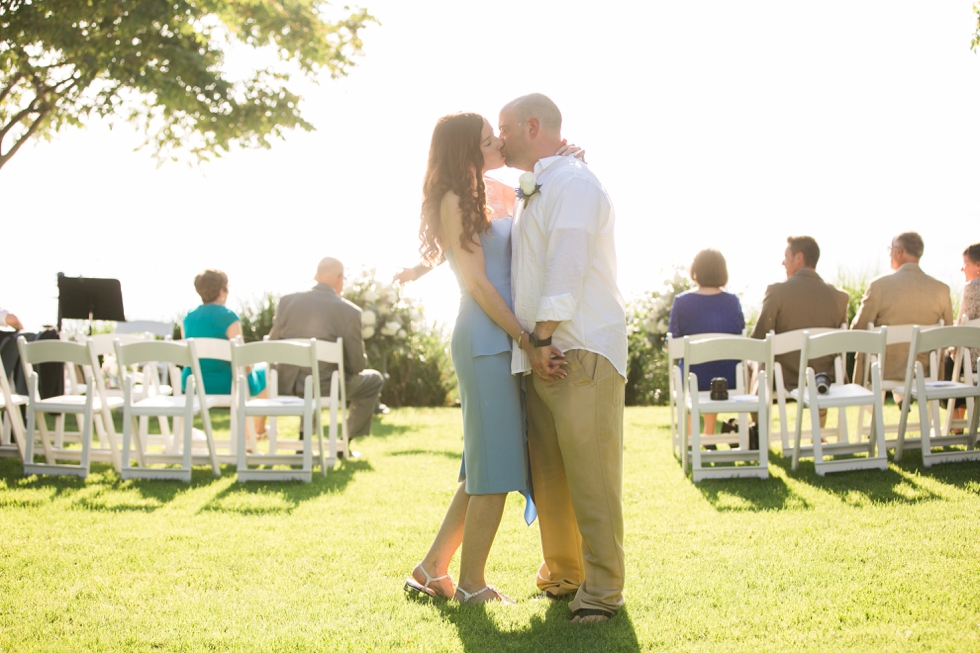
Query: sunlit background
[(712, 124)]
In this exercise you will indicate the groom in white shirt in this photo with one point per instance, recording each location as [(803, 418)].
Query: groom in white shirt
[(564, 284)]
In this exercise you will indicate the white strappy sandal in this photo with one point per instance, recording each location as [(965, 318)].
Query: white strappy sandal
[(412, 585), (468, 597)]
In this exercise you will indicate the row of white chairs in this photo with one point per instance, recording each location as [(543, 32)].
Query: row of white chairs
[(172, 453), (698, 452)]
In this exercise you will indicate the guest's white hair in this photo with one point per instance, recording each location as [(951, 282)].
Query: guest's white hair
[(537, 105)]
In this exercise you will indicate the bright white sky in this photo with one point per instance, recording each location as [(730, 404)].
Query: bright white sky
[(711, 123)]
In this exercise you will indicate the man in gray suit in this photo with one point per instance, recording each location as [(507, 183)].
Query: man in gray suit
[(803, 301), (906, 296), (322, 313)]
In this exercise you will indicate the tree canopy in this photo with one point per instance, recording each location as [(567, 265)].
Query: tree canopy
[(159, 63), (976, 35)]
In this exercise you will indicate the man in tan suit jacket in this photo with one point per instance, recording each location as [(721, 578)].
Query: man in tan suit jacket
[(803, 301), (322, 313), (906, 296)]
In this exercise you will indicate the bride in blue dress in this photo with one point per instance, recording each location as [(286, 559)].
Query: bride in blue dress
[(467, 220)]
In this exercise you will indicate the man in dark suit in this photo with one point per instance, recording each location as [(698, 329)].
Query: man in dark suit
[(322, 313), (803, 301)]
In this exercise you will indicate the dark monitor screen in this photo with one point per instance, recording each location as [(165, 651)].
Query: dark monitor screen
[(81, 297)]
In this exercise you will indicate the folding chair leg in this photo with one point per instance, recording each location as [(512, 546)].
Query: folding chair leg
[(843, 435), (817, 439), (188, 424), (903, 423), (783, 424), (877, 449), (42, 428)]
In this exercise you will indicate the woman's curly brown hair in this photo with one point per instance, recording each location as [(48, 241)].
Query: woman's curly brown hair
[(455, 164)]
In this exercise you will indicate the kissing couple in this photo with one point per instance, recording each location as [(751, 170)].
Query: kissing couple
[(540, 313)]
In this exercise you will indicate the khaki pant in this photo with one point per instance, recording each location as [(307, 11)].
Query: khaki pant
[(575, 442)]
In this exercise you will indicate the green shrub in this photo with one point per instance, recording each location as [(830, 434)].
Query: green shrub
[(413, 356), (854, 284), (647, 318), (256, 317)]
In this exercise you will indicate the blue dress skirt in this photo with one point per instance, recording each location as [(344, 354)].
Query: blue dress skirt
[(494, 427)]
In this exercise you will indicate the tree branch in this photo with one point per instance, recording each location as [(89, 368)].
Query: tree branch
[(29, 109), (42, 114), (10, 87)]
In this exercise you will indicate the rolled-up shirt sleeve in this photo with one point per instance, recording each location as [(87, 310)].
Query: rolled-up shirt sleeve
[(570, 250)]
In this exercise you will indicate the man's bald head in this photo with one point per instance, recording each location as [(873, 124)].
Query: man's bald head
[(536, 105), (330, 271)]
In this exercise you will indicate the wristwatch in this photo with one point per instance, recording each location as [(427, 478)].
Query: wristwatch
[(538, 342)]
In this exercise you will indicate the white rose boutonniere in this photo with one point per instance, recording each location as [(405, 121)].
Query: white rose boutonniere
[(528, 188)]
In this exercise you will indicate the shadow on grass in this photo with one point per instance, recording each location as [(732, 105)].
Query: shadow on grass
[(381, 429), (478, 632), (103, 490), (901, 483), (454, 455), (750, 494), (962, 476), (891, 486), (282, 497)]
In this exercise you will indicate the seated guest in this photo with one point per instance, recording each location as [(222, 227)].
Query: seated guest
[(213, 320), (969, 310), (906, 296), (708, 309), (322, 313), (803, 301), (970, 306), (9, 319)]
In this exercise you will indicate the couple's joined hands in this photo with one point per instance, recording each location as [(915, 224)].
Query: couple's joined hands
[(547, 363)]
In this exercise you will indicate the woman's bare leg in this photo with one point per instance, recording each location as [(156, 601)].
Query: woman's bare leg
[(482, 520), (448, 539), (709, 422)]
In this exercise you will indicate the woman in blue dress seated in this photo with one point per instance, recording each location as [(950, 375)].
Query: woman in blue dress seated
[(708, 309), (213, 320)]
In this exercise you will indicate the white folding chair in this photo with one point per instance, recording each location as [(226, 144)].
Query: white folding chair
[(301, 354), (335, 402), (898, 334), (181, 407), (707, 463), (964, 366), (841, 395), (790, 342), (146, 378), (675, 383), (12, 430), (91, 407), (220, 349), (931, 391)]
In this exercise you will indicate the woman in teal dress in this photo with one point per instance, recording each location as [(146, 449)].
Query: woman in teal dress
[(213, 320), (466, 219)]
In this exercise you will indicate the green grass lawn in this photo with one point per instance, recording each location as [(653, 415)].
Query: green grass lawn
[(860, 561)]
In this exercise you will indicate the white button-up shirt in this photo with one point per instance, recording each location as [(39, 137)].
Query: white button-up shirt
[(564, 263)]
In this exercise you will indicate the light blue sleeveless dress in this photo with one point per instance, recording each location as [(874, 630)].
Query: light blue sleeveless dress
[(494, 433)]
